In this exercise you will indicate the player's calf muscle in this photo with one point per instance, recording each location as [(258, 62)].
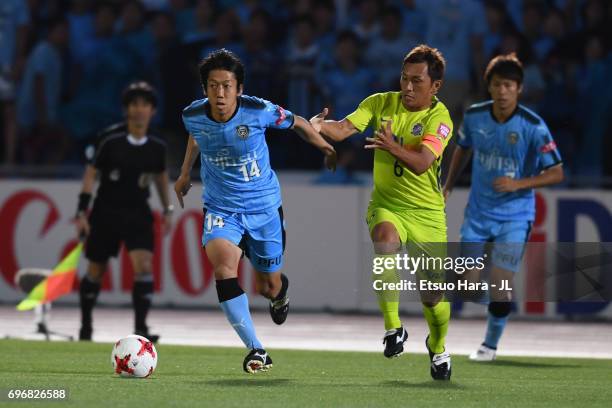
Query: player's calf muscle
[(268, 284)]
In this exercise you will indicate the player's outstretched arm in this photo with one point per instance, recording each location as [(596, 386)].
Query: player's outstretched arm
[(87, 186), (461, 157), (333, 130), (309, 134), (548, 177), (417, 160), (183, 183)]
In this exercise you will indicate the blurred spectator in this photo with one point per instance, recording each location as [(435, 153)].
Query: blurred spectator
[(324, 17), (81, 21), (202, 27), (343, 98), (414, 20), (593, 16), (259, 58), (38, 104), (498, 23), (594, 104), (558, 107), (245, 9), (183, 16), (533, 80), (367, 25), (226, 35), (14, 19), (155, 5), (387, 50), (302, 61), (456, 28), (91, 106), (134, 37)]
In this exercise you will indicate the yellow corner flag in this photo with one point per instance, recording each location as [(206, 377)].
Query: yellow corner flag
[(57, 284)]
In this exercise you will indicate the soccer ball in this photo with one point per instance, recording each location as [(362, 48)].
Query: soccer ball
[(134, 356)]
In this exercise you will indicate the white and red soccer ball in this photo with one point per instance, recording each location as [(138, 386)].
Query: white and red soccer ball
[(134, 356)]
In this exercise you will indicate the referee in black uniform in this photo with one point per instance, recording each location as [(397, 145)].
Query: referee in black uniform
[(126, 158)]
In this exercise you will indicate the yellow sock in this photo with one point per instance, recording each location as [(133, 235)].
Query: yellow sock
[(437, 319), (388, 300)]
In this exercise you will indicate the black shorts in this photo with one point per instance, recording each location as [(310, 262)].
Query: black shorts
[(110, 227)]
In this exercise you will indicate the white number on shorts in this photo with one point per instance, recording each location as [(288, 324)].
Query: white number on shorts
[(217, 222), (252, 174)]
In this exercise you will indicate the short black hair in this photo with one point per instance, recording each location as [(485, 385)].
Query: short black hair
[(431, 56), (506, 66), (224, 60), (139, 89)]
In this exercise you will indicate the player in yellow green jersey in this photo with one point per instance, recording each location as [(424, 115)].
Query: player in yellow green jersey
[(407, 207)]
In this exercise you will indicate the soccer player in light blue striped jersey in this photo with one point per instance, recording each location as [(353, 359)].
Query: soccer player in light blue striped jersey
[(514, 153), (242, 200)]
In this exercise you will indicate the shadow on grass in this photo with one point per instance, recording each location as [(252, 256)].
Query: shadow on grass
[(254, 382), (526, 364), (432, 385)]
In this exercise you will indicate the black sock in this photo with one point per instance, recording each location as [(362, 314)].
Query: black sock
[(283, 291), (142, 297), (88, 295)]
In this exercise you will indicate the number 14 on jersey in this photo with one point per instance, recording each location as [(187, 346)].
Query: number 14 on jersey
[(251, 173)]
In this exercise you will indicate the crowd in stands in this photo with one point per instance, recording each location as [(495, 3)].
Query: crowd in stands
[(64, 63)]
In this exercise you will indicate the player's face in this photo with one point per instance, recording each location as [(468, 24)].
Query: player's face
[(504, 92), (222, 91), (416, 86), (139, 112)]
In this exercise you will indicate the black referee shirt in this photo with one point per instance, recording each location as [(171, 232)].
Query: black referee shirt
[(126, 166)]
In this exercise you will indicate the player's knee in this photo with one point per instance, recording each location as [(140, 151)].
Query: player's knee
[(385, 233), (385, 239), (142, 263), (224, 271), (500, 309)]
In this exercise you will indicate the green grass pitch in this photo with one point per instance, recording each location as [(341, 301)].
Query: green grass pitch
[(213, 377)]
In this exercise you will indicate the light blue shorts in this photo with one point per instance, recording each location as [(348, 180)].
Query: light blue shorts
[(508, 239), (261, 236)]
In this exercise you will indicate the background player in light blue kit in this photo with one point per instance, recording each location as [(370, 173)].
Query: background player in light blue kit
[(514, 153), (242, 199)]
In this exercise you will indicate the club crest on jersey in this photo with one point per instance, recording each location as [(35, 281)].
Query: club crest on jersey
[(443, 130), (417, 130), (512, 138), (242, 131)]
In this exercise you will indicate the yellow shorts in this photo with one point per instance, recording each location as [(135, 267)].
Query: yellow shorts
[(421, 232)]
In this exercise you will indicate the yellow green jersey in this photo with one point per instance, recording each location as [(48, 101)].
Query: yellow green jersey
[(395, 186)]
